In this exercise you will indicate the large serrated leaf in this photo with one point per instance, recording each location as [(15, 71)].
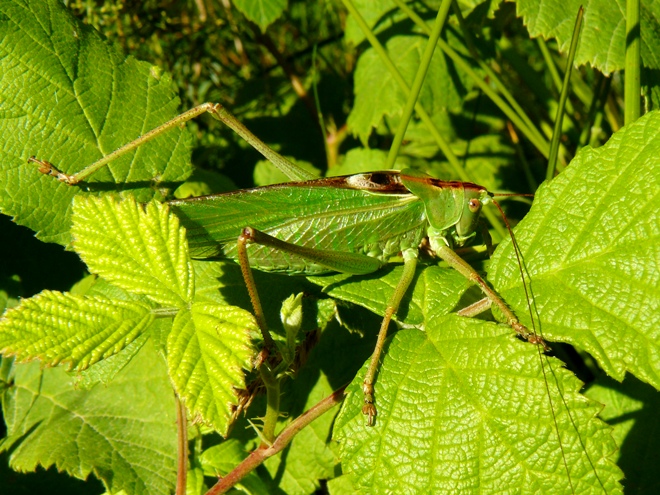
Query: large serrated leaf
[(464, 408), (207, 351), (372, 12), (123, 432), (603, 36), (78, 330), (140, 249), (591, 247), (70, 98)]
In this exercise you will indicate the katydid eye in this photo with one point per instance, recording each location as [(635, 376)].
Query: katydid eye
[(474, 205)]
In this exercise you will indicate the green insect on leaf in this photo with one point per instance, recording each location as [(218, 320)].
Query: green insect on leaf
[(376, 261)]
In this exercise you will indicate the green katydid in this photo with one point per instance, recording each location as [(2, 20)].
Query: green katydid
[(352, 224)]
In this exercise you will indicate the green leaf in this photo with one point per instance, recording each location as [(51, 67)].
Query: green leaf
[(360, 160), (377, 94), (78, 330), (261, 12), (70, 98), (342, 485), (435, 291), (207, 351), (140, 249), (195, 482), (105, 370), (266, 174), (129, 444), (371, 12), (463, 407), (204, 182), (603, 36), (591, 247)]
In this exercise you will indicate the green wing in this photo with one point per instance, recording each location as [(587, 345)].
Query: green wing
[(371, 214)]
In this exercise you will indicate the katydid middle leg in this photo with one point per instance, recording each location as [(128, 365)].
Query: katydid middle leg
[(410, 263), (356, 264)]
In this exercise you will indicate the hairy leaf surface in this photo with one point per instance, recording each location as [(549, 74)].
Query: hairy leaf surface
[(65, 328), (141, 249), (207, 351)]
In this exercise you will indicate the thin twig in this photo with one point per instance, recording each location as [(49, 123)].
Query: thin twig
[(283, 439)]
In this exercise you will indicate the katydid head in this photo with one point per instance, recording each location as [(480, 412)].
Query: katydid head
[(474, 199), (452, 207)]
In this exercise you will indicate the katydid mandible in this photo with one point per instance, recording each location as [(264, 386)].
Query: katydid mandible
[(316, 226)]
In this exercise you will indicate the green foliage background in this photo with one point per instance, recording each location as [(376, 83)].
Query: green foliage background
[(590, 246)]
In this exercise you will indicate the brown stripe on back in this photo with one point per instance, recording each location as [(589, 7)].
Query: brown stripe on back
[(446, 184), (382, 182)]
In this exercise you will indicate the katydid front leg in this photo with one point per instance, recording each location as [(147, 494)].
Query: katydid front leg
[(216, 110), (460, 265)]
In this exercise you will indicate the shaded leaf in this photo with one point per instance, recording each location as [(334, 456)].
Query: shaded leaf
[(435, 291), (378, 95), (266, 174), (603, 36), (360, 160), (128, 444), (221, 459), (631, 408), (372, 13), (261, 12)]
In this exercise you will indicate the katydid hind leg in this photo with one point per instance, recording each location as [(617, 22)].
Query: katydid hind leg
[(335, 261), (220, 113), (342, 262), (246, 270)]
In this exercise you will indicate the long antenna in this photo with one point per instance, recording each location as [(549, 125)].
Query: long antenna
[(537, 340)]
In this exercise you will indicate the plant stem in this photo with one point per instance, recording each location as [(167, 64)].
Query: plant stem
[(559, 118), (424, 65), (182, 447), (272, 385), (440, 141), (283, 439), (329, 157), (632, 72), (513, 110), (595, 107)]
